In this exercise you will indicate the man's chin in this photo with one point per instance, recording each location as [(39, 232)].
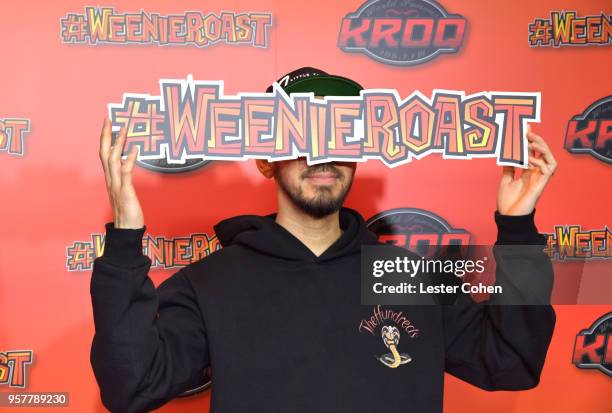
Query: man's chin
[(319, 208), (318, 212)]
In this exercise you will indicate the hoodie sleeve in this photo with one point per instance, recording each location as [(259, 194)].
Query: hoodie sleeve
[(149, 345), (503, 347)]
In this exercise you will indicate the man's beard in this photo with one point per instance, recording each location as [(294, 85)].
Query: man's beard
[(323, 203)]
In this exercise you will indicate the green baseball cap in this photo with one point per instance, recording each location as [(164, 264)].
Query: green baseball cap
[(309, 79)]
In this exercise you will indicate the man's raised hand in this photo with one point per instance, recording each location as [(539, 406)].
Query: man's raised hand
[(127, 212), (518, 195)]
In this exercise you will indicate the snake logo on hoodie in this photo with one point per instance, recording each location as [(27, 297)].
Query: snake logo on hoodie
[(390, 326)]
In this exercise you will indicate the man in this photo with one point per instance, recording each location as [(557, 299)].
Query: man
[(276, 312)]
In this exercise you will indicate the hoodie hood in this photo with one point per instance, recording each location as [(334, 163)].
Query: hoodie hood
[(264, 235)]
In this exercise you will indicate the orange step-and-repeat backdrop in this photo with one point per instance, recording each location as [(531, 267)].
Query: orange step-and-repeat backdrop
[(63, 62)]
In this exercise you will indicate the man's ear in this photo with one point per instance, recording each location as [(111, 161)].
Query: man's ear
[(266, 168)]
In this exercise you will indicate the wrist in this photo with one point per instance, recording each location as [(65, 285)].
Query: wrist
[(123, 244), (517, 229), (125, 224)]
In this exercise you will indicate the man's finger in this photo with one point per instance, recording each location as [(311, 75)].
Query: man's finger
[(532, 137), (117, 147), (114, 161), (105, 140), (546, 154), (508, 173), (127, 167), (105, 137), (540, 164)]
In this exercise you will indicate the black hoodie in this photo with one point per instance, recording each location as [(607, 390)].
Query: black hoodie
[(284, 330)]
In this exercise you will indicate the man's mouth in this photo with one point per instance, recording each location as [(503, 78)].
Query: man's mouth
[(322, 175), (322, 178)]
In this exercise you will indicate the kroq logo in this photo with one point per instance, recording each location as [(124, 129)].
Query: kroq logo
[(591, 132), (406, 32), (417, 230), (592, 348)]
